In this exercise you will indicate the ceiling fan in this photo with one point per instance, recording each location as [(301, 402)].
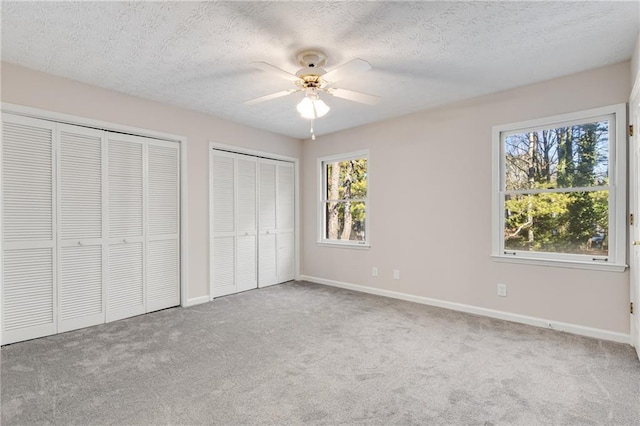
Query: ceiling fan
[(312, 79)]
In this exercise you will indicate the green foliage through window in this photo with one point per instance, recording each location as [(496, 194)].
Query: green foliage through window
[(556, 186), (345, 199)]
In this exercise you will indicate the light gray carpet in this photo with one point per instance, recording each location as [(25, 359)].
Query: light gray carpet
[(304, 353)]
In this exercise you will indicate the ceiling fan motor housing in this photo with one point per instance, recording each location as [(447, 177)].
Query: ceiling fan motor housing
[(310, 75), (312, 58)]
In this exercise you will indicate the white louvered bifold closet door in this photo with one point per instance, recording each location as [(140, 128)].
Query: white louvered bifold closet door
[(223, 244), (285, 219), (246, 223), (28, 229), (277, 244), (82, 254), (267, 234), (125, 288), (163, 225), (252, 222)]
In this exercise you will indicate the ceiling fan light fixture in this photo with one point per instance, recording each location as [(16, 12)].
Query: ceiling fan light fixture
[(312, 107)]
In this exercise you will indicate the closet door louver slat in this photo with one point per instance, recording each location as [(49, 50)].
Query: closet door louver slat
[(163, 225), (80, 184), (285, 222), (224, 277), (125, 189), (246, 220), (126, 276), (267, 259), (268, 248), (126, 284), (81, 292), (27, 182), (164, 196), (267, 182), (223, 193), (285, 197), (223, 244), (28, 229), (285, 256), (80, 180), (28, 294), (163, 274)]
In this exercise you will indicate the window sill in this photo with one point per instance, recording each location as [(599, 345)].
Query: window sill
[(343, 245), (572, 264)]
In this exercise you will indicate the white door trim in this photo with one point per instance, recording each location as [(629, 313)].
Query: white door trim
[(122, 128), (634, 208)]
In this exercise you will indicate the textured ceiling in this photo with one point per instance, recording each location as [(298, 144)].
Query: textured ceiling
[(424, 54)]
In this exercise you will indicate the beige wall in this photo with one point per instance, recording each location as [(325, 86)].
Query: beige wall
[(635, 63), (441, 245), (34, 89), (430, 208)]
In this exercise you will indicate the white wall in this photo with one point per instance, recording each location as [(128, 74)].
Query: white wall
[(430, 208), (23, 86)]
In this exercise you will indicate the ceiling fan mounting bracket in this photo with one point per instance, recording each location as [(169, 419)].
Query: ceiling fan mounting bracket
[(312, 58)]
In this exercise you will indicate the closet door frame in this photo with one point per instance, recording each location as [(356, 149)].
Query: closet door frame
[(37, 113), (260, 154)]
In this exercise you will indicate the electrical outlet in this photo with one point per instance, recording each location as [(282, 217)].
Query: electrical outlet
[(374, 272), (396, 274), (502, 290)]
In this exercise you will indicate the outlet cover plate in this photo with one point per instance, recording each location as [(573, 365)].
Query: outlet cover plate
[(502, 290)]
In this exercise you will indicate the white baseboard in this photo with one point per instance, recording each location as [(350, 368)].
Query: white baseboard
[(197, 300), (507, 316)]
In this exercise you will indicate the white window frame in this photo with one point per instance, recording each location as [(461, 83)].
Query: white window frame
[(616, 259), (322, 190)]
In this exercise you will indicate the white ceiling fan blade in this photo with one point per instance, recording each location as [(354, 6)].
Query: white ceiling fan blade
[(363, 98), (349, 69), (269, 97), (270, 68)]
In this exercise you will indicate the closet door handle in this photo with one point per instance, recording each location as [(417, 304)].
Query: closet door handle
[(79, 243)]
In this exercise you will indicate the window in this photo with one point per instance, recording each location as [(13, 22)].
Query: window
[(343, 188), (559, 190)]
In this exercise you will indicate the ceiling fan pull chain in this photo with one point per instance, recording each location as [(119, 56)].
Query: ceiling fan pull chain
[(313, 135)]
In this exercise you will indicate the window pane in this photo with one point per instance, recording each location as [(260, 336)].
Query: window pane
[(346, 179), (564, 157), (570, 222), (345, 220)]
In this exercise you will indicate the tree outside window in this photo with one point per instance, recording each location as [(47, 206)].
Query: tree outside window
[(557, 189), (344, 201)]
